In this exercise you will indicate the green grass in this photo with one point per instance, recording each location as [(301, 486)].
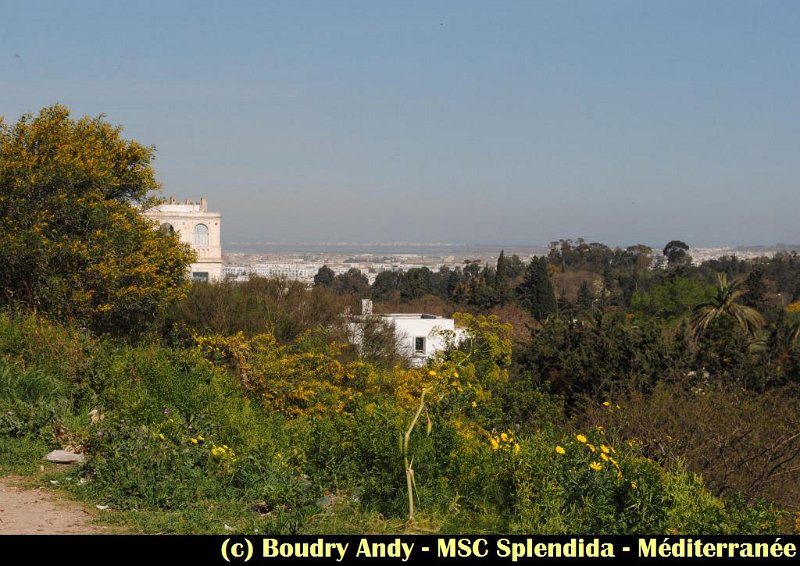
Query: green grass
[(21, 456)]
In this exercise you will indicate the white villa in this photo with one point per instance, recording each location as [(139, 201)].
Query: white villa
[(419, 336), (197, 227)]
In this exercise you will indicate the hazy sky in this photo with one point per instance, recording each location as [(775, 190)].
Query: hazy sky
[(452, 121)]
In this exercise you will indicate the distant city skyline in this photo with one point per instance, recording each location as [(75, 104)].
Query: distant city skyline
[(463, 122)]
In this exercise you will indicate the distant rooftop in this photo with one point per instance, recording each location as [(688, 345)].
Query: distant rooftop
[(187, 206)]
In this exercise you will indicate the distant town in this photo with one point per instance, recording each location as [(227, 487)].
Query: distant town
[(238, 261), (302, 261)]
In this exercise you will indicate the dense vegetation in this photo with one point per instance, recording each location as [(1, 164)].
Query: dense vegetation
[(270, 437), (73, 241), (598, 390)]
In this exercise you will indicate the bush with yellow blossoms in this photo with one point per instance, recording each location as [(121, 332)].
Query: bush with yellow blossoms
[(590, 482)]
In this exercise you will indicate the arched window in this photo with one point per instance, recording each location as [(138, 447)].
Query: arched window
[(167, 228), (201, 236)]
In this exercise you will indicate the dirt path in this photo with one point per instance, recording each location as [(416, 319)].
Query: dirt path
[(38, 511)]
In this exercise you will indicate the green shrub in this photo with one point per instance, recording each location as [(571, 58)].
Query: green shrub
[(31, 401)]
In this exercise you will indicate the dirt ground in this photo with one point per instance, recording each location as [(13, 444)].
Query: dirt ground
[(39, 511)]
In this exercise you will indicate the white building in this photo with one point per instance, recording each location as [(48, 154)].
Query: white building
[(419, 336), (197, 227)]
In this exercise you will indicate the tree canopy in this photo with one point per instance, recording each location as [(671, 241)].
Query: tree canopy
[(536, 290), (73, 241), (677, 254), (324, 277)]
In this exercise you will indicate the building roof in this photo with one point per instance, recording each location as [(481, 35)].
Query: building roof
[(187, 207)]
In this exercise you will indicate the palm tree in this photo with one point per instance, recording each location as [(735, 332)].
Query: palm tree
[(724, 302)]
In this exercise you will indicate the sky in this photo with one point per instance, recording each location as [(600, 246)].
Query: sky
[(465, 122)]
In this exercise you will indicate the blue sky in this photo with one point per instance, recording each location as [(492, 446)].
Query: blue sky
[(450, 121)]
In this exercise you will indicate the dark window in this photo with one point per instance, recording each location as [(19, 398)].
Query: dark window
[(200, 276), (419, 345)]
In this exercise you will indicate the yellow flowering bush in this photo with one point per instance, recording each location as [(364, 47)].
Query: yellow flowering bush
[(73, 241), (291, 378)]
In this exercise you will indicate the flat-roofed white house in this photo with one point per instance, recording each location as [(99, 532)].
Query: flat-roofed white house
[(196, 226), (419, 335)]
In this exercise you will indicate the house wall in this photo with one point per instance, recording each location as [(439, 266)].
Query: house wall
[(184, 219), (407, 329)]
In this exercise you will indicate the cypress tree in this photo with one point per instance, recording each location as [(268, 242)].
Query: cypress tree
[(501, 288), (584, 296), (536, 290)]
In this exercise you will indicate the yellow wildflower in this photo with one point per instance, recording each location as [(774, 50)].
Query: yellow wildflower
[(517, 449), (581, 438), (455, 374), (560, 450), (596, 466), (161, 435), (495, 444), (503, 437), (591, 447), (604, 457), (604, 449), (634, 485), (474, 404), (606, 403), (193, 441), (432, 373)]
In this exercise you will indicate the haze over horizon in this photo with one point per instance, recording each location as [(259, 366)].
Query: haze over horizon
[(512, 123)]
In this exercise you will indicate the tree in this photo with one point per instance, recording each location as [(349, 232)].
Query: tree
[(453, 280), (677, 254), (352, 282), (673, 297), (387, 285), (536, 290), (501, 277), (417, 282), (585, 298), (515, 267), (73, 241), (565, 308), (725, 303), (756, 289), (472, 269), (638, 258), (481, 291), (324, 277)]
